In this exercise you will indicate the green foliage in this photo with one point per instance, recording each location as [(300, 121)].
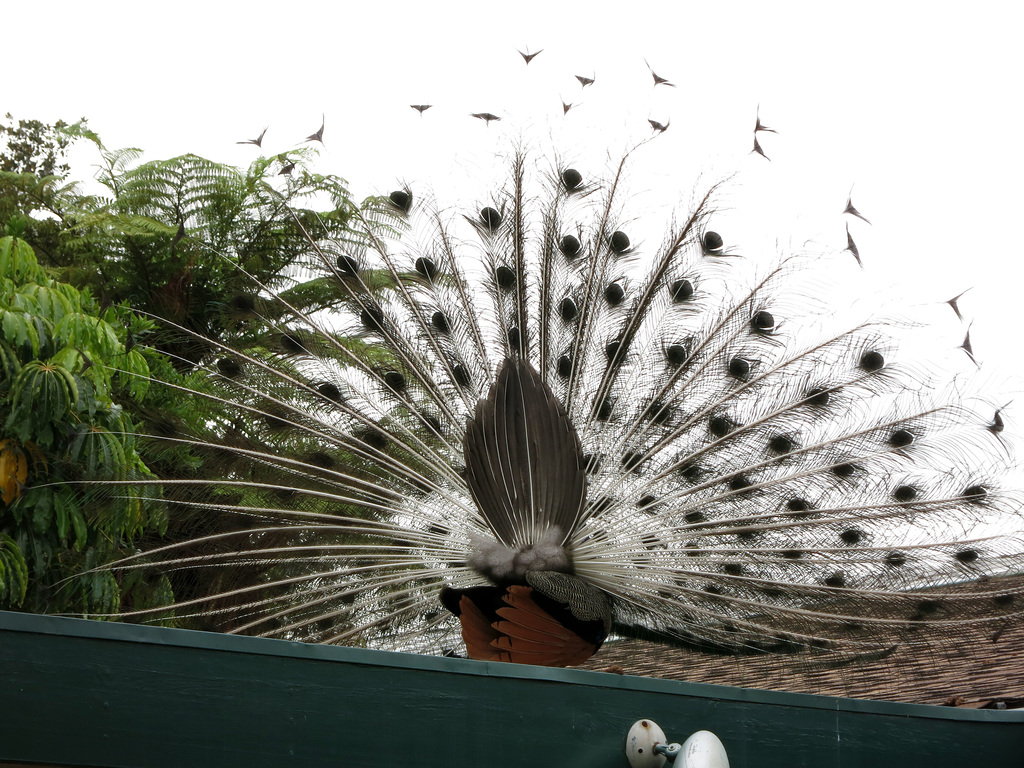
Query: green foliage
[(33, 147), (65, 373), (181, 239), (189, 243)]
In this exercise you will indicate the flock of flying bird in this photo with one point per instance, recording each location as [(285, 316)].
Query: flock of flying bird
[(489, 117), (658, 127)]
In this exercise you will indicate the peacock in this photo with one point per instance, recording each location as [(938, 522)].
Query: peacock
[(520, 431)]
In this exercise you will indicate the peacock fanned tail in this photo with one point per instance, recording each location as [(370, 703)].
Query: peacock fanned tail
[(519, 432)]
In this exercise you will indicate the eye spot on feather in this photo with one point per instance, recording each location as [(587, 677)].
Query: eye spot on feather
[(244, 303), (817, 397), (798, 506), (372, 318), (733, 569), (748, 532), (872, 361), (373, 439), (228, 367), (348, 266), (905, 493), (851, 536), (652, 542), (567, 309), (426, 267), (330, 392), (967, 556), (619, 242), (591, 463), (401, 199), (614, 294), (675, 355), (694, 516), (611, 351), (658, 412), (901, 438), (1003, 601), (505, 278), (739, 483), (712, 243), (631, 460), (837, 579), (604, 410), (514, 339), (691, 472), (844, 470), (720, 426), (394, 381), (781, 444), (929, 606), (645, 502), (322, 460), (440, 323), (791, 554), (461, 376), (490, 218), (571, 179), (975, 493), (681, 290), (739, 368), (292, 344), (565, 366), (762, 322), (431, 422), (895, 559), (569, 246)]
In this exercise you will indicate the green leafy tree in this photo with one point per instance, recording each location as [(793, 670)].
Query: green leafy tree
[(65, 376), (188, 242)]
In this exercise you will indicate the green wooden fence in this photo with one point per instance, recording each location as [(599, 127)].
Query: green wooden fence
[(86, 693)]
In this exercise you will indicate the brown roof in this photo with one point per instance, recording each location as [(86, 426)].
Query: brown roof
[(971, 670)]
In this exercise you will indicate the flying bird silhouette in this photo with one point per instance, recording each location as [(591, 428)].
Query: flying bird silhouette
[(515, 439), (421, 108), (759, 126), (319, 135), (566, 106), (966, 346), (487, 117), (585, 81), (528, 57), (258, 141), (659, 127), (758, 150), (853, 211), (658, 80), (852, 247), (956, 307)]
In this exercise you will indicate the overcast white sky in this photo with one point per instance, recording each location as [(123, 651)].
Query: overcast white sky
[(917, 106)]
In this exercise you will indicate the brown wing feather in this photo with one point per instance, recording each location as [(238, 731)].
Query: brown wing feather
[(524, 462)]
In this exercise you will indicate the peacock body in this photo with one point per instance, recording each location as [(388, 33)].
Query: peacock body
[(518, 431)]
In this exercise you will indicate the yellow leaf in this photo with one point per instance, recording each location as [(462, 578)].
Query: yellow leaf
[(13, 471)]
